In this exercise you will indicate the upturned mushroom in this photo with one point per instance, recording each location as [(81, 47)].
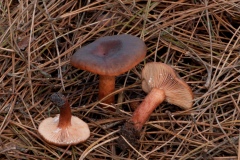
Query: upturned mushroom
[(161, 83), (109, 57), (64, 129)]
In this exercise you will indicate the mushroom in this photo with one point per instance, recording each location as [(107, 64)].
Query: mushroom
[(64, 129), (108, 57), (161, 83)]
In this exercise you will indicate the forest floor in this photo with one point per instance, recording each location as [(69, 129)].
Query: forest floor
[(199, 39)]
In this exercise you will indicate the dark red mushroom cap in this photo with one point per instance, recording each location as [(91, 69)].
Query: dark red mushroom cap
[(110, 55)]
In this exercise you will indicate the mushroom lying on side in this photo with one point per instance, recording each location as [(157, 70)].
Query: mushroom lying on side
[(108, 57), (64, 129), (161, 83)]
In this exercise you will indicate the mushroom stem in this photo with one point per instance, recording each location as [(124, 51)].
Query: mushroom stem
[(145, 109), (65, 115), (106, 87), (131, 129), (65, 110)]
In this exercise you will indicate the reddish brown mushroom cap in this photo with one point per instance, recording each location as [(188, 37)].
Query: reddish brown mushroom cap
[(161, 76), (73, 134), (110, 55)]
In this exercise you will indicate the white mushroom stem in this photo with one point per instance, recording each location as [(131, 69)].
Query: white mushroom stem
[(142, 113)]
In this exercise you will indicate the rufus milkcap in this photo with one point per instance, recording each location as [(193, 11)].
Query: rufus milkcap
[(108, 57), (161, 83), (64, 129)]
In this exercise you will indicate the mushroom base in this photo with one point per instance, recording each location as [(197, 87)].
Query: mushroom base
[(132, 135)]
